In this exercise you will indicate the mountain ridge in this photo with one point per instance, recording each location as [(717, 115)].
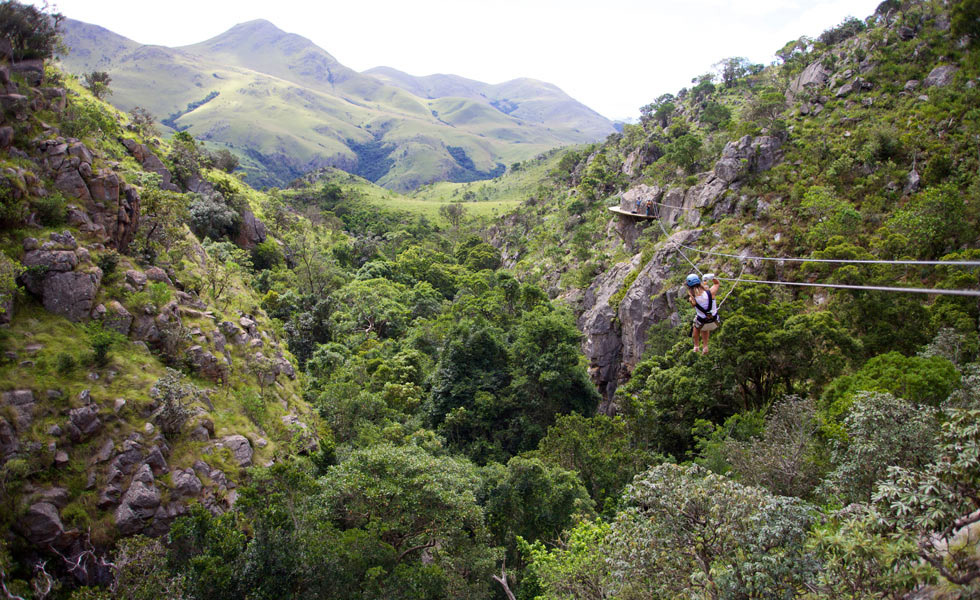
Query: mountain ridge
[(286, 106)]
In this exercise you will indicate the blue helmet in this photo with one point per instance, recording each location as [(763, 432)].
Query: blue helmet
[(692, 280)]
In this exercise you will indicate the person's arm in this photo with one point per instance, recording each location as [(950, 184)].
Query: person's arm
[(715, 286)]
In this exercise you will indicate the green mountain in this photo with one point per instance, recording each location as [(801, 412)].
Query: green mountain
[(286, 107)]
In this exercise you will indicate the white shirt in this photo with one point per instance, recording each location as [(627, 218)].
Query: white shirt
[(701, 303)]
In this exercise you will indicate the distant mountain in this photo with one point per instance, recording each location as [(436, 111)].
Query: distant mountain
[(286, 106)]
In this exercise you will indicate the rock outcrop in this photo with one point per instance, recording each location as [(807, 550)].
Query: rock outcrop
[(616, 335)]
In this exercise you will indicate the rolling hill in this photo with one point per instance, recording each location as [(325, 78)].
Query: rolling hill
[(287, 107)]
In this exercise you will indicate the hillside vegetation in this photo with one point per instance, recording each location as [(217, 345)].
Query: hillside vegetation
[(463, 405), (287, 107)]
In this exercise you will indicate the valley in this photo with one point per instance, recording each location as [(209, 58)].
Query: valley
[(329, 334)]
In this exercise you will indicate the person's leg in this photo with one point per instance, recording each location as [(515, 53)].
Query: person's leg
[(704, 341), (696, 335)]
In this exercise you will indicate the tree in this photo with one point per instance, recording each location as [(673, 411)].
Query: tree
[(660, 110), (225, 160), (766, 106), (882, 432), (685, 151), (32, 33), (598, 449), (453, 213), (784, 459), (162, 217), (688, 533), (143, 122), (174, 395), (548, 377), (375, 306), (417, 509), (732, 69), (97, 82), (224, 262), (934, 222), (936, 507), (532, 500), (212, 218)]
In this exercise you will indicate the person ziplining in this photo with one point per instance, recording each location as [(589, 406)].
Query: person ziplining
[(705, 309)]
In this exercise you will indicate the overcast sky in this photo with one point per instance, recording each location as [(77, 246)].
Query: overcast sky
[(613, 55)]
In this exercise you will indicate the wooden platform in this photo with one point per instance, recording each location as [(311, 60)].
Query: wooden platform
[(626, 213)]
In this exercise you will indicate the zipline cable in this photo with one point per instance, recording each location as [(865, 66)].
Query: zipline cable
[(876, 288), (667, 235), (957, 263), (744, 259)]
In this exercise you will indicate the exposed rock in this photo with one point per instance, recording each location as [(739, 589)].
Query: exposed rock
[(135, 278), (6, 137), (60, 459), (812, 77), (158, 274), (649, 301), (57, 496), (60, 261), (21, 404), (647, 153), (72, 294), (42, 524), (614, 342), (150, 162), (9, 444), (118, 405), (206, 363), (911, 85), (252, 231), (912, 182), (117, 318), (602, 343), (104, 453), (156, 461), (249, 326), (65, 240), (186, 483), (941, 76), (240, 448), (32, 70), (138, 505), (83, 422)]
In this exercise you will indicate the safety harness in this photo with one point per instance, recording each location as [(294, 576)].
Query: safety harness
[(706, 312)]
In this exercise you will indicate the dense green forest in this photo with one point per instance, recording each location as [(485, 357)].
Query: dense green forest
[(210, 391)]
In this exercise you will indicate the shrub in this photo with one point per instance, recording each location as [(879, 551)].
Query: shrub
[(211, 218), (159, 293), (85, 118), (65, 363), (51, 210), (174, 395), (101, 341), (107, 262)]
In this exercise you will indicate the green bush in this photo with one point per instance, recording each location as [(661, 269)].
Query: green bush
[(101, 341), (65, 363), (51, 210), (159, 293), (107, 262)]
